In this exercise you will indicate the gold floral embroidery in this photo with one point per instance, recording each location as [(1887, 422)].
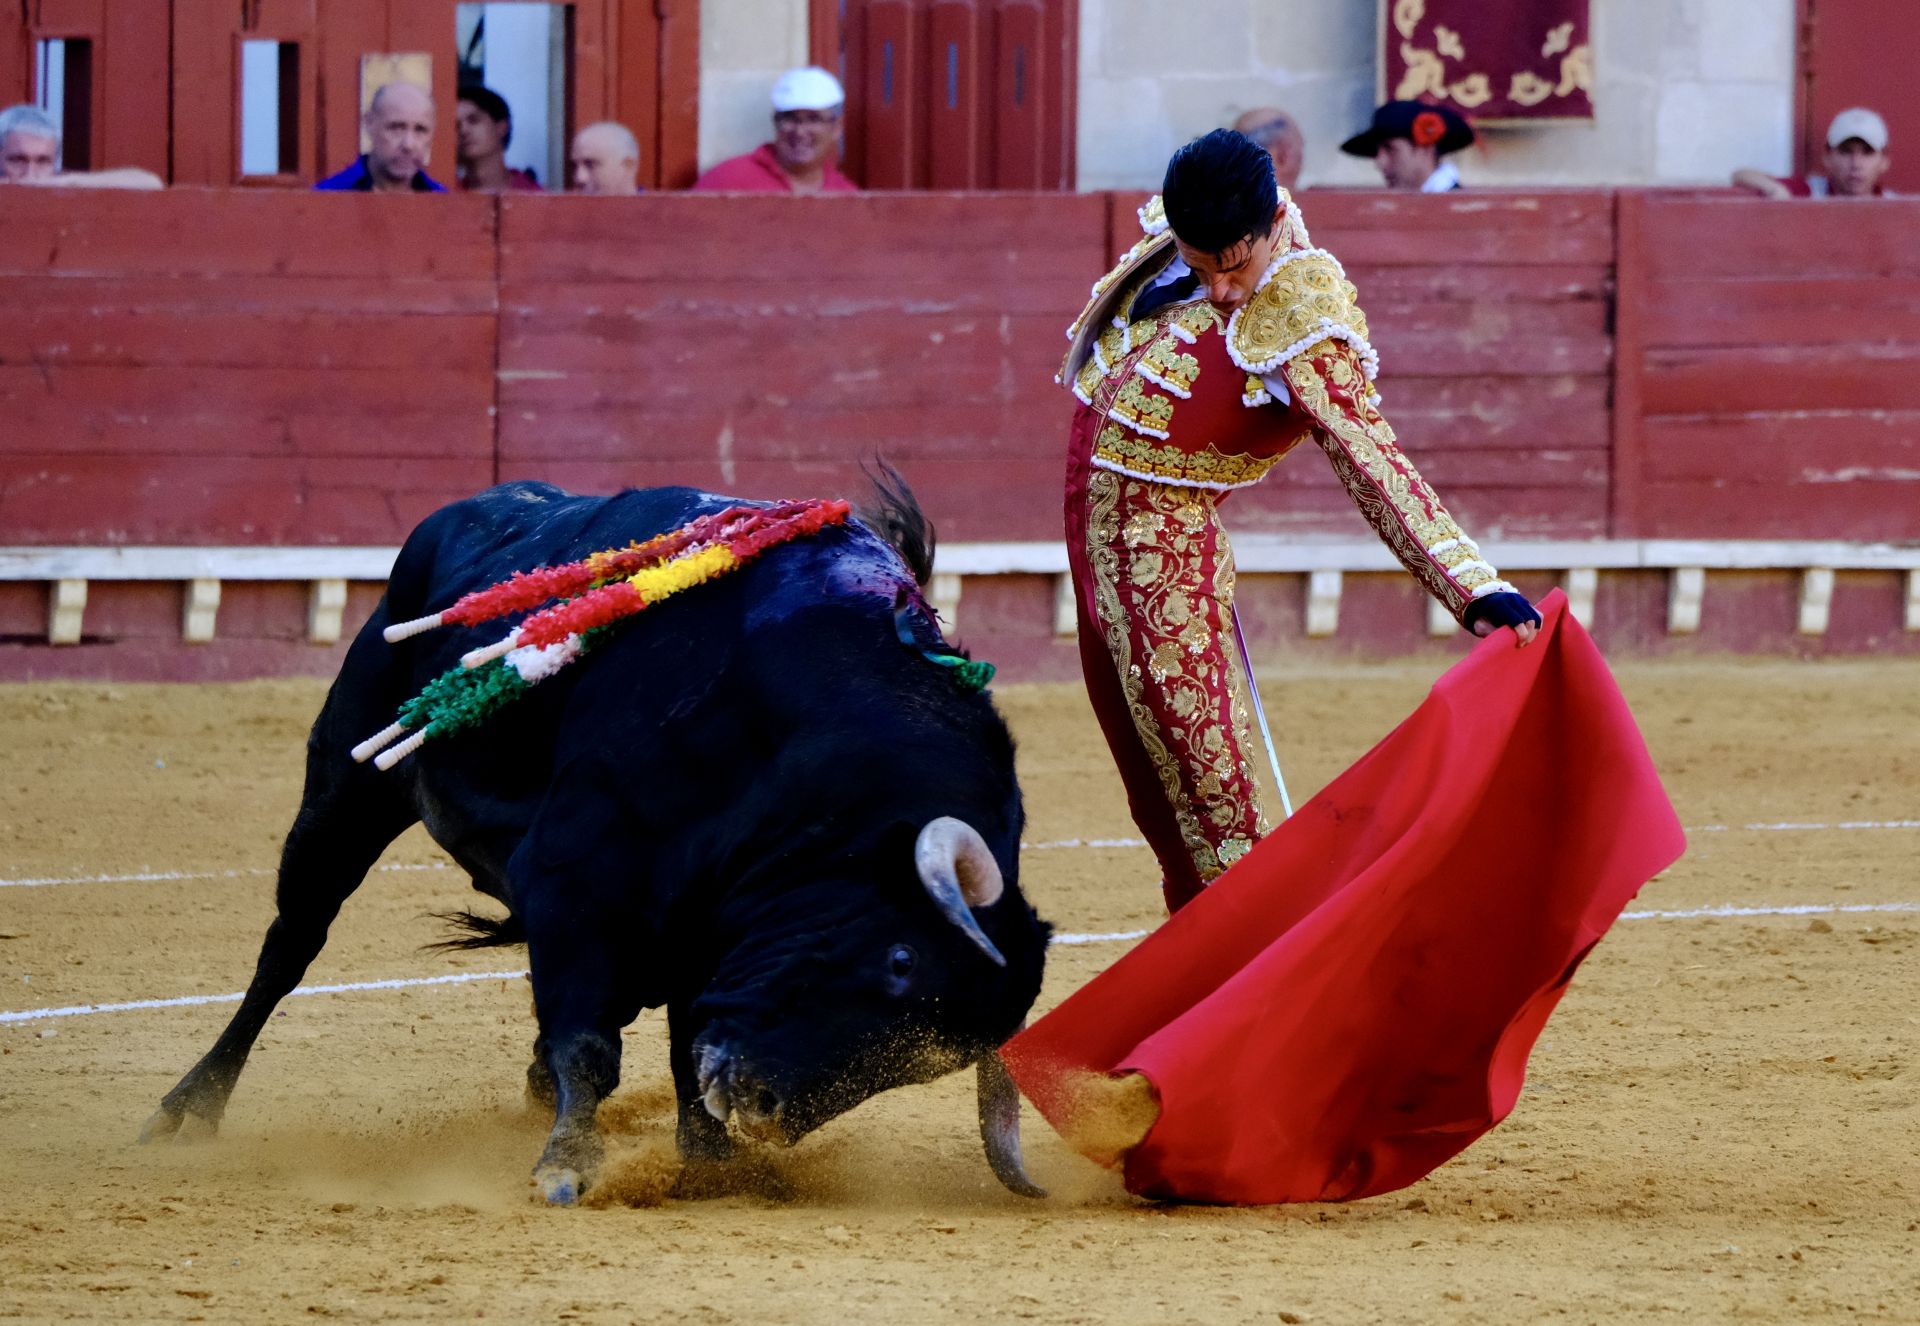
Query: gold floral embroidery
[(1143, 412), (1115, 449), (1383, 483), (1186, 694), (1293, 309), (1196, 320), (1166, 365)]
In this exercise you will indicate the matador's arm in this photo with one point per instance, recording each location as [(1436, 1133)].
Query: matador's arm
[(1328, 381)]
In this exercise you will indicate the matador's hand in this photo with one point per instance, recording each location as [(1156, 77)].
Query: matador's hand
[(1487, 615)]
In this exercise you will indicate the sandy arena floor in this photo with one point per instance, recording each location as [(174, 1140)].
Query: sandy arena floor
[(1721, 1123)]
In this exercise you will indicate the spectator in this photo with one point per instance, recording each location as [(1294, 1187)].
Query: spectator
[(1407, 140), (1275, 130), (606, 160), (806, 142), (399, 126), (30, 154), (483, 126), (1856, 162)]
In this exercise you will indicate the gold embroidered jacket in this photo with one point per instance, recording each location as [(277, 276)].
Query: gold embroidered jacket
[(1180, 393)]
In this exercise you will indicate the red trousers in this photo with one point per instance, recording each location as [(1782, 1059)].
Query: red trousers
[(1154, 581)]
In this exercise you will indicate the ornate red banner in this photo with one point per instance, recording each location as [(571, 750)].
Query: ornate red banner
[(1490, 59)]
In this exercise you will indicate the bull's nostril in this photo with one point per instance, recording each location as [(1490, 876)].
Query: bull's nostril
[(766, 1103)]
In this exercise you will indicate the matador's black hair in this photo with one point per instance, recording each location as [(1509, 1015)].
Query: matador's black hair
[(1219, 191)]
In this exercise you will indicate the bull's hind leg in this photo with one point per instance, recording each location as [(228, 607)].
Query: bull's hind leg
[(347, 817)]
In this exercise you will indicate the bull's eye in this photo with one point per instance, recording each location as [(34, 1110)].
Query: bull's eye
[(901, 961)]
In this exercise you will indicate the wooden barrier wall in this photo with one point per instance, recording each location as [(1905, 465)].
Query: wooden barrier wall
[(221, 368)]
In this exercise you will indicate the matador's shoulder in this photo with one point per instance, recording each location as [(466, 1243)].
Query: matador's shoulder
[(1304, 298), (1149, 251)]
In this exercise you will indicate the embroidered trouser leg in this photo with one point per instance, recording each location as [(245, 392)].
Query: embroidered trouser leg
[(1156, 580)]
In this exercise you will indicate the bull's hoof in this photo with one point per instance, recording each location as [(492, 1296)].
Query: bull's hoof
[(560, 1187), (178, 1125)]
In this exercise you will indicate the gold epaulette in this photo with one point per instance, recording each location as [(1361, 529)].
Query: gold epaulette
[(1099, 312), (1304, 299)]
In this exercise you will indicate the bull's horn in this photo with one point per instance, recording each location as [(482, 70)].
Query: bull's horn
[(959, 873), (1000, 1126)]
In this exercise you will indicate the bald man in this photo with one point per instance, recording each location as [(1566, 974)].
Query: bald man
[(605, 160), (399, 129), (1278, 132)]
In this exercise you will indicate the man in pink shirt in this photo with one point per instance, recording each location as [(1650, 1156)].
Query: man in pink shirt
[(806, 142)]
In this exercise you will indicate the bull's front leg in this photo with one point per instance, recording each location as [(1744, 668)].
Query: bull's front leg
[(585, 1068)]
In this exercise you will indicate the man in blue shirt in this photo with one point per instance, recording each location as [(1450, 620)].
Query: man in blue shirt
[(399, 126)]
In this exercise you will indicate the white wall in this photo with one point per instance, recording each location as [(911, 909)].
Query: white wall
[(1686, 90), (744, 46)]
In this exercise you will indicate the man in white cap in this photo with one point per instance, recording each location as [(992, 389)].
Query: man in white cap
[(1856, 162), (806, 142)]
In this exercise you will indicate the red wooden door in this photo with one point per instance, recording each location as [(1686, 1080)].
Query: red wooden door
[(1847, 59), (116, 108), (954, 94)]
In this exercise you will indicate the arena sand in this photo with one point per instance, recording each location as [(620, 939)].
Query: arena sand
[(1720, 1123)]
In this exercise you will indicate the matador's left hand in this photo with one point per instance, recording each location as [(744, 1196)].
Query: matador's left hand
[(1487, 615)]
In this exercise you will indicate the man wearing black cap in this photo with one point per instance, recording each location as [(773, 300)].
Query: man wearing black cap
[(1407, 140), (1223, 339)]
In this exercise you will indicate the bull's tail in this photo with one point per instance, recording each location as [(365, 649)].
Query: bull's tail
[(895, 515), (472, 930)]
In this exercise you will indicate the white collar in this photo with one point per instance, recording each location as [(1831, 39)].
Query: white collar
[(1445, 177)]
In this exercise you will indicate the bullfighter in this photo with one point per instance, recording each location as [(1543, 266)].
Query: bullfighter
[(1221, 341)]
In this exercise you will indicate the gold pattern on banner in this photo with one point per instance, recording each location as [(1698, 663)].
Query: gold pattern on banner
[(1426, 75), (1435, 65), (1290, 306), (1166, 621), (1473, 90), (1142, 458), (1576, 71), (1403, 510)]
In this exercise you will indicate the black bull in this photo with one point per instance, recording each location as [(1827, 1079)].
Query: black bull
[(759, 805)]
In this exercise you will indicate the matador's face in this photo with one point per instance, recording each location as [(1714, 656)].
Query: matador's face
[(1230, 278)]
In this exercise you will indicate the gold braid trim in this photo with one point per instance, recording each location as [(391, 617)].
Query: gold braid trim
[(1304, 299), (1329, 384)]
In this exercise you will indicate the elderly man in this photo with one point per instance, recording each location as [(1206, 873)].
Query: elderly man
[(1278, 132), (399, 128), (30, 154), (1407, 141), (606, 160), (1856, 162), (806, 142)]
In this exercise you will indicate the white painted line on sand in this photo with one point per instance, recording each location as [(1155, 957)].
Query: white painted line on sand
[(1113, 937), (191, 1001), (167, 876), (1058, 844)]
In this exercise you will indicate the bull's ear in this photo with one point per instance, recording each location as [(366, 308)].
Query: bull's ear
[(957, 869)]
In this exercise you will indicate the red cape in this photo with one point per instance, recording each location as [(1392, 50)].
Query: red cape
[(1353, 1003)]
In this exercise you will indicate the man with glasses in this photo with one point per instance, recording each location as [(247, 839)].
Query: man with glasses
[(806, 143)]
